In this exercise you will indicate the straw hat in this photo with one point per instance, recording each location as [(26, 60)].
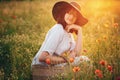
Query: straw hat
[(62, 6)]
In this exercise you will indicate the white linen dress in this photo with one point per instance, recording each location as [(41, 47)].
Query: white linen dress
[(57, 41)]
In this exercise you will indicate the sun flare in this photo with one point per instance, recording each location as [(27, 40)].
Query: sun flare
[(104, 5)]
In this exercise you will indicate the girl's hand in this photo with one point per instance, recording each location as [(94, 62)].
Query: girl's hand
[(72, 55), (73, 26)]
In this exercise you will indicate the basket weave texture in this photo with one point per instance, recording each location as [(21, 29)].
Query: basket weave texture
[(46, 72)]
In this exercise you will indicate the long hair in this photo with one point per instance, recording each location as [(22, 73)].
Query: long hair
[(60, 18)]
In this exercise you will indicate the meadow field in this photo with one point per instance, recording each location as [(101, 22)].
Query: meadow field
[(24, 24)]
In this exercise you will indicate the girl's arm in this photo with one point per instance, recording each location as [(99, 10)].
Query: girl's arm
[(78, 48)]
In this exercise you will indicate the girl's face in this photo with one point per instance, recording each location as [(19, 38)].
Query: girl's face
[(70, 17)]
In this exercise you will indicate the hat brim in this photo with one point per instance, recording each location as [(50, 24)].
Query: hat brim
[(62, 6)]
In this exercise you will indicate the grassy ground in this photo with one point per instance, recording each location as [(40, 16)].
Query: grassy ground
[(23, 26)]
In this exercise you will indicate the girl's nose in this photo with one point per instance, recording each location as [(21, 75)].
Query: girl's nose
[(71, 16)]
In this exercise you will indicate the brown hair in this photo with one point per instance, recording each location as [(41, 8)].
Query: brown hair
[(60, 18)]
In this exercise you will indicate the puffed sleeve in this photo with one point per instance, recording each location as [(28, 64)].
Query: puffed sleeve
[(52, 40)]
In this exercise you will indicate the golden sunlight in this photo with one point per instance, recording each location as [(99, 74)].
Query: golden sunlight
[(104, 5)]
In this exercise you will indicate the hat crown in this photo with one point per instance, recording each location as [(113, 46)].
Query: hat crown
[(76, 5)]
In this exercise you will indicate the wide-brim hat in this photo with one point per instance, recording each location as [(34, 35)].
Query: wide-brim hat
[(62, 6)]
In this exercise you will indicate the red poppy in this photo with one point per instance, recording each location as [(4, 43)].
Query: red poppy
[(48, 61), (76, 69), (98, 73), (85, 50), (102, 62), (104, 37), (1, 20), (98, 40), (109, 68), (14, 17), (115, 25), (71, 60)]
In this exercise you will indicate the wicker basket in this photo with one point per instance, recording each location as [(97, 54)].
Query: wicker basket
[(46, 72)]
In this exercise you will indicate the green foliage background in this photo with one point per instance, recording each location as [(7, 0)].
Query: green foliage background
[(23, 26)]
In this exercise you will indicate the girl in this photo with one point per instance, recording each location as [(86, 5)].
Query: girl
[(59, 39)]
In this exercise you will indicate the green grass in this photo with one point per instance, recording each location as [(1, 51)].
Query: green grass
[(23, 26)]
